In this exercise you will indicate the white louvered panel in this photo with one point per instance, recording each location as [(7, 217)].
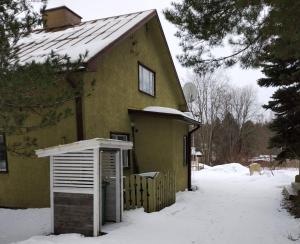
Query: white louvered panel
[(109, 164), (74, 170), (78, 162), (73, 158), (68, 181), (74, 166), (81, 176), (70, 186)]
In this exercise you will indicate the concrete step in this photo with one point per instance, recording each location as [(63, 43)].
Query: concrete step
[(290, 192)]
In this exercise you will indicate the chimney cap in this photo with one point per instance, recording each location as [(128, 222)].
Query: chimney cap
[(61, 7)]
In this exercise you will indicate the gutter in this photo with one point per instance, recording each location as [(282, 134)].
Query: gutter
[(164, 115), (189, 158)]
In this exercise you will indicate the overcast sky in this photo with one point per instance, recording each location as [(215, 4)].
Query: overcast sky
[(95, 9)]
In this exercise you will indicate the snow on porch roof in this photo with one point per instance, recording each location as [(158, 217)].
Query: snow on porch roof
[(92, 36), (84, 145), (165, 111)]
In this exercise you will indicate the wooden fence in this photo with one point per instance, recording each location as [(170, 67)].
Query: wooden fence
[(153, 194)]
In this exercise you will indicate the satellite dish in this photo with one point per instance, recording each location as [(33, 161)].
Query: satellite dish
[(190, 92)]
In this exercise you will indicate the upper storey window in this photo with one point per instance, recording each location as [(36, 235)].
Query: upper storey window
[(146, 80)]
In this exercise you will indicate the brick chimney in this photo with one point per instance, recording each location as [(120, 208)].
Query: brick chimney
[(60, 17)]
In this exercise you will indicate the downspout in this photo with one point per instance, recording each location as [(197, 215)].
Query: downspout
[(135, 166), (189, 158), (78, 112)]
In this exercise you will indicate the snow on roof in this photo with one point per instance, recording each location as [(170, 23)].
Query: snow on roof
[(194, 152), (166, 110), (92, 36)]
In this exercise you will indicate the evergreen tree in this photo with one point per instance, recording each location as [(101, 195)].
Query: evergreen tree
[(32, 95), (262, 33)]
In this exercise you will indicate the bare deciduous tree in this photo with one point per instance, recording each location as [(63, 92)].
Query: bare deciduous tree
[(208, 107), (222, 109)]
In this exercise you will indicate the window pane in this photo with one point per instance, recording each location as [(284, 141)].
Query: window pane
[(151, 84), (125, 159), (122, 137), (146, 80), (3, 166), (140, 77), (2, 155), (3, 161)]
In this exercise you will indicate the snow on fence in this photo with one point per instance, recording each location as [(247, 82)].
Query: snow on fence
[(151, 193)]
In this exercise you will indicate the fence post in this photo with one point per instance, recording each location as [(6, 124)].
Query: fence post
[(127, 193), (145, 194), (151, 194), (167, 188), (132, 192), (138, 191)]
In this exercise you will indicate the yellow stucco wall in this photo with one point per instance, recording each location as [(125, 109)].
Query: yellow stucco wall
[(27, 182), (159, 146), (105, 111), (116, 87)]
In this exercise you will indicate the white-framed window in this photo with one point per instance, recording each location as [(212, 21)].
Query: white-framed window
[(146, 80), (3, 155), (122, 137)]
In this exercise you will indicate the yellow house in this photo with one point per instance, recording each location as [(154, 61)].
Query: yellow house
[(137, 97)]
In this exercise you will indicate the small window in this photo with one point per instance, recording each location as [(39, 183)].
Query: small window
[(3, 155), (185, 150), (122, 137), (146, 80)]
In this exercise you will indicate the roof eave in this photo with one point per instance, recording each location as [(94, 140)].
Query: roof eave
[(173, 65), (164, 115)]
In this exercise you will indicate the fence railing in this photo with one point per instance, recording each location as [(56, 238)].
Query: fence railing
[(151, 193)]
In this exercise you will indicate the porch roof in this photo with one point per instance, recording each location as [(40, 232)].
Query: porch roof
[(84, 145), (165, 112)]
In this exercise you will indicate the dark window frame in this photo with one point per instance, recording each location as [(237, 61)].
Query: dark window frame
[(5, 154), (128, 139), (154, 75)]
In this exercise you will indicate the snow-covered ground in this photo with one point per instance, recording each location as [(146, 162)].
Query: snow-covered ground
[(18, 225), (230, 207)]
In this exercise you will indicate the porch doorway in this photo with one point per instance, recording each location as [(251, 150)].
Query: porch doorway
[(111, 185)]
